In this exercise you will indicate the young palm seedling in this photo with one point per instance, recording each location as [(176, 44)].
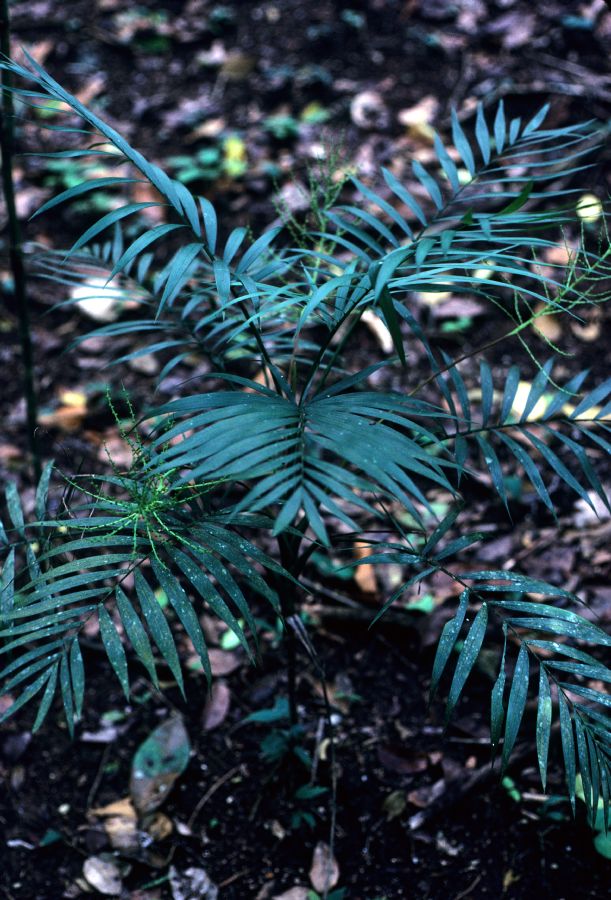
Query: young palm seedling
[(296, 446)]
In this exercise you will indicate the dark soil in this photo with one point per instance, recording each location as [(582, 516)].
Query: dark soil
[(476, 840)]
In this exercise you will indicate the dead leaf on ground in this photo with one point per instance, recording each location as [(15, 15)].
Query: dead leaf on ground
[(160, 827), (394, 805), (91, 89), (9, 452), (123, 807), (431, 298), (418, 119), (456, 307), (401, 760), (28, 199), (217, 705), (122, 828), (143, 192), (6, 701), (324, 872), (547, 325), (99, 300), (116, 448), (369, 112), (333, 690), (103, 874), (379, 330), (157, 763), (514, 28), (123, 834), (145, 364), (68, 415), (365, 574), (427, 794), (192, 884), (120, 824), (588, 333), (223, 662), (444, 845), (39, 50), (557, 255), (211, 128)]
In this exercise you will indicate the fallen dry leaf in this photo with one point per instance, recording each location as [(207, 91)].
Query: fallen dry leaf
[(123, 807), (547, 325), (103, 874), (9, 452), (369, 112), (39, 50), (418, 119), (120, 825), (123, 834), (223, 662), (588, 333), (146, 364), (143, 192), (192, 884), (157, 764), (402, 760), (378, 329), (66, 417), (217, 705), (160, 827), (324, 872), (558, 255), (394, 805), (211, 128), (116, 448), (6, 701), (98, 300), (425, 795), (91, 89), (365, 574), (589, 208), (237, 66)]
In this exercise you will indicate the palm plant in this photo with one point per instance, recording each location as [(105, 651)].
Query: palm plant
[(293, 447)]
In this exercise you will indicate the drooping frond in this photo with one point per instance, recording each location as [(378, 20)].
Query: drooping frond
[(549, 638), (219, 271), (539, 636), (133, 528)]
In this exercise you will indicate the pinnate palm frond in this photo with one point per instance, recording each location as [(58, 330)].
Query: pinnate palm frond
[(227, 267), (81, 570), (481, 236), (548, 636), (306, 455), (530, 426), (545, 635)]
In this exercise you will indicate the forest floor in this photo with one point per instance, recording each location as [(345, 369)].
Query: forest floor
[(242, 100)]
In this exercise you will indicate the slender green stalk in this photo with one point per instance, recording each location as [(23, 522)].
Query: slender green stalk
[(288, 607), (7, 143)]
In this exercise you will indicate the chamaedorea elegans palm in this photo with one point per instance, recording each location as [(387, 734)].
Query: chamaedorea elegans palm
[(290, 440)]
